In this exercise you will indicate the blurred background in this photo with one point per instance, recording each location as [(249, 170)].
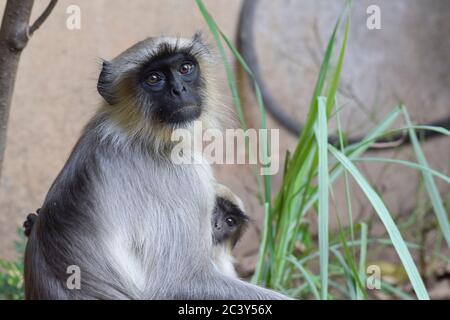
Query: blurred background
[(406, 61)]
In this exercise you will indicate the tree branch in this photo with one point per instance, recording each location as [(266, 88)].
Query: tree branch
[(39, 21)]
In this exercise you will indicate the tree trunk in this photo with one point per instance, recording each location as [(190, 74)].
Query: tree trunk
[(13, 39)]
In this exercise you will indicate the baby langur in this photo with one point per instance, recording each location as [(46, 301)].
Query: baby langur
[(229, 223), (134, 222)]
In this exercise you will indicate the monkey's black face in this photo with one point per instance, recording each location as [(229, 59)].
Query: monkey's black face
[(228, 222), (224, 227), (173, 85)]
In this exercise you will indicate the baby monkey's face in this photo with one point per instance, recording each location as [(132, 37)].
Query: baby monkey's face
[(228, 222), (173, 84)]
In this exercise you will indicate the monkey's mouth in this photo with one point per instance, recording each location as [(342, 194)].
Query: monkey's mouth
[(185, 114)]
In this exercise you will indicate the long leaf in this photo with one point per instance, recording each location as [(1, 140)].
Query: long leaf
[(391, 228), (430, 185), (322, 142), (406, 164), (362, 257)]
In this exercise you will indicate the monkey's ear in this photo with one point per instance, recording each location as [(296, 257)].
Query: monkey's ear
[(105, 83)]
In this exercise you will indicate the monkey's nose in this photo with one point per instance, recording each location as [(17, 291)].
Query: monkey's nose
[(176, 91)]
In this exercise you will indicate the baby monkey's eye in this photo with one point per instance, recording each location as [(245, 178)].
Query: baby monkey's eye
[(154, 78), (230, 222), (186, 68)]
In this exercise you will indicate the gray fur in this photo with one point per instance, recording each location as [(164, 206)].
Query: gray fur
[(137, 225)]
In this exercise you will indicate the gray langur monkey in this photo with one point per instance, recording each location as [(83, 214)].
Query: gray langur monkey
[(135, 224)]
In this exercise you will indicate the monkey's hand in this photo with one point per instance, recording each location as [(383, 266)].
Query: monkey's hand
[(29, 222), (226, 194)]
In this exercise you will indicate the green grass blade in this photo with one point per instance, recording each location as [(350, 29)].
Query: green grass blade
[(307, 276), (262, 111), (322, 142), (300, 171), (340, 288), (265, 148), (231, 79), (378, 241), (362, 257), (405, 163), (440, 130), (347, 273), (353, 275), (337, 74), (391, 228), (259, 272), (393, 290), (346, 182), (430, 185), (356, 150), (306, 134), (232, 83)]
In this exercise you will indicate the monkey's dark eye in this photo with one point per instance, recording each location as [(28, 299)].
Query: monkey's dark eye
[(230, 222), (154, 78), (186, 68)]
